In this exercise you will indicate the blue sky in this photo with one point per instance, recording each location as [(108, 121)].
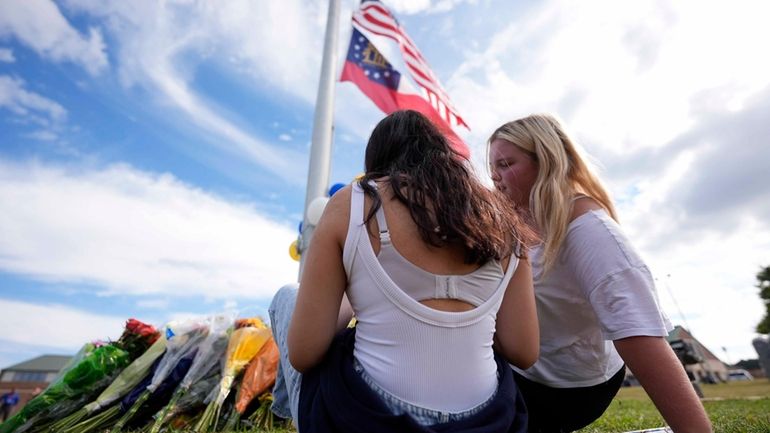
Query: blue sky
[(153, 155)]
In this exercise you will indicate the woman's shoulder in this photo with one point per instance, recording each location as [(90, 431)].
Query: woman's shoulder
[(337, 212), (596, 240), (583, 204)]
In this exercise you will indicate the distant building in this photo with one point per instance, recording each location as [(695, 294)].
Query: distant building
[(31, 376), (710, 369), (753, 366)]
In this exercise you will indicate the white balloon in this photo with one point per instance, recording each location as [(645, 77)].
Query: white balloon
[(316, 209)]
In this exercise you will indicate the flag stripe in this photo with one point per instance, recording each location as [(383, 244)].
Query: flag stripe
[(417, 74), (374, 17), (391, 29), (389, 100)]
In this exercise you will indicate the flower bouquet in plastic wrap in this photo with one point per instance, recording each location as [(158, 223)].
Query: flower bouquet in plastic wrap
[(191, 404), (183, 338), (244, 344), (210, 353), (125, 382), (96, 367), (258, 378)]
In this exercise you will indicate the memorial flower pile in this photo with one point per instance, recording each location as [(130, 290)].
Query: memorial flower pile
[(196, 376)]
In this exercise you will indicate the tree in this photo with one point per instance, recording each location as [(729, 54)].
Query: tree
[(763, 283)]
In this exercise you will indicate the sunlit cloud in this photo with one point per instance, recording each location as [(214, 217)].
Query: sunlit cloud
[(40, 25), (15, 97), (131, 232)]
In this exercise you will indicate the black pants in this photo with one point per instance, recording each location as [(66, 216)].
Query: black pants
[(561, 410), (5, 411)]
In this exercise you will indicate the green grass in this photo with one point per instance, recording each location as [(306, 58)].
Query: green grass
[(737, 407)]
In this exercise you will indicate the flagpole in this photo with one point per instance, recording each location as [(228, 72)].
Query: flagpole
[(323, 126)]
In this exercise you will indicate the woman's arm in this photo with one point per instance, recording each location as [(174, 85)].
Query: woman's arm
[(517, 336), (661, 374), (322, 286)]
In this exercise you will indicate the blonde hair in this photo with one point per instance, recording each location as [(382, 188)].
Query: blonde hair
[(562, 173)]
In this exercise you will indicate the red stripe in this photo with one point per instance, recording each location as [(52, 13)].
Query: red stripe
[(422, 78), (415, 62), (405, 43), (389, 101), (378, 27), (393, 26), (365, 9)]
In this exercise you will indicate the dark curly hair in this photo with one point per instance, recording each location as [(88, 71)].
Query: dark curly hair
[(445, 199)]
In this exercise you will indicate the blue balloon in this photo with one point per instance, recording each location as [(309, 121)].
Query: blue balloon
[(336, 187)]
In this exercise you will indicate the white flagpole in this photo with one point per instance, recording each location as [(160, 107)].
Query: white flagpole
[(323, 127)]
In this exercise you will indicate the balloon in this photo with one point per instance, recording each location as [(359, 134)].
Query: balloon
[(336, 187), (316, 209), (294, 251), (299, 228)]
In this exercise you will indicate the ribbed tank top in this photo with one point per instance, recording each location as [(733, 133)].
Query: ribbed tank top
[(433, 359)]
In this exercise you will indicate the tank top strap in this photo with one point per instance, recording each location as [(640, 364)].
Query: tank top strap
[(355, 225), (383, 225)]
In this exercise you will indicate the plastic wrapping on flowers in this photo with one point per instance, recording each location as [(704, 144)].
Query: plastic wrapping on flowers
[(80, 383), (183, 338), (244, 344), (126, 380), (210, 352), (194, 399), (258, 377)]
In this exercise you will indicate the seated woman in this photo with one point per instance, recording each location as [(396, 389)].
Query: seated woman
[(596, 298), (433, 266)]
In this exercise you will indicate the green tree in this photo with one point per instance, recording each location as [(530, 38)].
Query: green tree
[(763, 282)]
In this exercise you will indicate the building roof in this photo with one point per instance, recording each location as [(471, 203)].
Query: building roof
[(41, 363), (679, 333)]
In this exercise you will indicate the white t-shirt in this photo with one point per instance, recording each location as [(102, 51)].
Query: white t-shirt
[(598, 290)]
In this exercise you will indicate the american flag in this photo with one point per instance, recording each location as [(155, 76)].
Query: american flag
[(374, 17)]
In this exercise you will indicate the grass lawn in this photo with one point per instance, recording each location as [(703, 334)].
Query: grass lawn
[(735, 407)]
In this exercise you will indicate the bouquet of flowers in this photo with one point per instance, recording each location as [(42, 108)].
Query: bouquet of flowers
[(84, 379), (182, 338), (244, 344), (126, 380), (210, 352), (257, 379), (192, 402)]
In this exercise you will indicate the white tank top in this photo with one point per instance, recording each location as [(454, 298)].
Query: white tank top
[(433, 359)]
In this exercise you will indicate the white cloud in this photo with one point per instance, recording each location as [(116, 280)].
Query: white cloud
[(43, 135), (6, 55), (284, 137), (622, 75), (40, 25), (153, 303), (159, 47), (411, 7), (55, 326), (14, 97), (137, 233)]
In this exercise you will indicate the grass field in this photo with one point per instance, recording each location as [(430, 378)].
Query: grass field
[(735, 407)]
